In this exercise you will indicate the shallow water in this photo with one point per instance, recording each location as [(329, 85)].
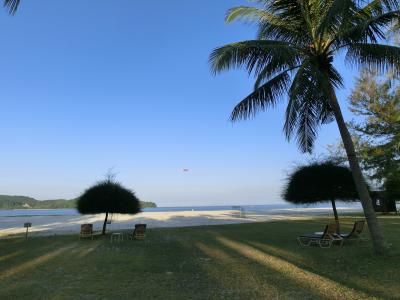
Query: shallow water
[(253, 208)]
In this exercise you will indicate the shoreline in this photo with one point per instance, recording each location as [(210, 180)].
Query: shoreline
[(70, 224), (26, 212)]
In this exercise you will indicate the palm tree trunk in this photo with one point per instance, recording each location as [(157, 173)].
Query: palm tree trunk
[(336, 216), (370, 216), (104, 225)]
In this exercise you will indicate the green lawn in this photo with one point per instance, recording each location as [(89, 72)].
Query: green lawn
[(247, 261)]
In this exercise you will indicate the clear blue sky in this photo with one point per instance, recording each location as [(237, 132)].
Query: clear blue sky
[(89, 85)]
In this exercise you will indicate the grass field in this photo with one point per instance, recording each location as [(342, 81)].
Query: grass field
[(246, 261)]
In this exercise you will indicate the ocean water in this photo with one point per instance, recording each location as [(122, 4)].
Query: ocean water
[(248, 208)]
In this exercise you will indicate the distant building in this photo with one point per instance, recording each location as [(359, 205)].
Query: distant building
[(381, 203)]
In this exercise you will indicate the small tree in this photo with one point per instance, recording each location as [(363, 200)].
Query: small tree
[(108, 197), (321, 182), (376, 101)]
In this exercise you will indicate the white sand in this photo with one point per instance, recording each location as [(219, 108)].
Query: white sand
[(49, 225)]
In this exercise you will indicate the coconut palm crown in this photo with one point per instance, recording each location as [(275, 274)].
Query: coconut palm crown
[(293, 57), (294, 51)]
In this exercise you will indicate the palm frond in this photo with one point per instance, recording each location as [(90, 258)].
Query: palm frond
[(302, 113), (11, 5), (285, 22), (379, 57), (300, 88), (252, 55), (372, 8), (308, 106), (307, 126), (262, 98), (275, 66), (287, 9), (246, 13), (299, 84), (390, 4), (372, 29), (270, 26), (334, 78), (337, 15), (286, 32)]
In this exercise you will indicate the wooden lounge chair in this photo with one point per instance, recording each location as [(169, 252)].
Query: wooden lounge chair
[(354, 234), (324, 240), (86, 231), (140, 232)]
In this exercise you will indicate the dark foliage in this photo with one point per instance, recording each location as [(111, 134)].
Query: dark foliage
[(392, 186), (320, 182), (11, 5), (108, 197)]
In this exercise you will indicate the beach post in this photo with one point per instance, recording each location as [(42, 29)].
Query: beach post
[(27, 225)]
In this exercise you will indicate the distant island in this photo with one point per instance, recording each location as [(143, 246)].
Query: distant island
[(22, 202)]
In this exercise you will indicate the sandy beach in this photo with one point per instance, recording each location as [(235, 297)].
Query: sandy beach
[(50, 225)]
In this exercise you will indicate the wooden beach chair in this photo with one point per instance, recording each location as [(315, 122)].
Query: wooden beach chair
[(86, 231), (139, 233), (354, 234), (324, 239)]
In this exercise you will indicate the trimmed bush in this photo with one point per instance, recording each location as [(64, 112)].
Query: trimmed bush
[(108, 197), (321, 182)]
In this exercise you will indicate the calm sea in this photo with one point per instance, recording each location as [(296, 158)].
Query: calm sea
[(248, 208)]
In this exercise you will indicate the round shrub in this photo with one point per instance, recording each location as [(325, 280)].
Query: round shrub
[(320, 182), (108, 197)]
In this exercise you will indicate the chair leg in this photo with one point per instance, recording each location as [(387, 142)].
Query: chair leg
[(325, 243), (302, 243)]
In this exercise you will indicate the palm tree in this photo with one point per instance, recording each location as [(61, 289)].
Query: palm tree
[(293, 55), (11, 5)]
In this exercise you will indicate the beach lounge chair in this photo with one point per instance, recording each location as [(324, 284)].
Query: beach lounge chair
[(324, 239), (140, 232), (86, 231), (354, 234)]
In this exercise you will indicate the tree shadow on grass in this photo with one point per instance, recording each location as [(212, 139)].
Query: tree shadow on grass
[(353, 266), (292, 276), (355, 275), (244, 280), (8, 256), (26, 255), (158, 266), (33, 262)]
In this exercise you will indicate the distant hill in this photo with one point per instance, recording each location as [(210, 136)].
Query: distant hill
[(21, 202)]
